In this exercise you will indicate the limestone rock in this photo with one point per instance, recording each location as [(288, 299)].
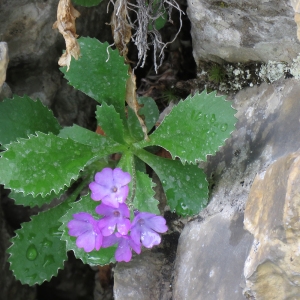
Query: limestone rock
[(140, 278), (236, 31), (210, 259), (3, 62), (272, 216), (267, 129)]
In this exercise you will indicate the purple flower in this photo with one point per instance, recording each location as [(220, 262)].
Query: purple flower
[(144, 228), (125, 244), (114, 217), (87, 231), (110, 186)]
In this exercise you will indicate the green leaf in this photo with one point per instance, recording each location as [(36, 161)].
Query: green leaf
[(42, 163), (29, 200), (186, 187), (195, 127), (37, 251), (89, 138), (149, 112), (87, 3), (22, 116), (98, 78), (127, 164), (110, 122), (144, 196), (102, 257)]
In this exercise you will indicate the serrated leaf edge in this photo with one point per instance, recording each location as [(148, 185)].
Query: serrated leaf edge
[(11, 254), (35, 136), (196, 161)]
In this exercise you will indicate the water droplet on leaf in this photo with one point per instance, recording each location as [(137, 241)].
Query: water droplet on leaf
[(54, 231), (31, 252), (224, 127), (48, 260), (46, 243), (31, 236), (213, 118), (184, 206)]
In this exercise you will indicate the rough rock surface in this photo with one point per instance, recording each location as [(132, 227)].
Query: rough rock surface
[(272, 216), (34, 49), (267, 129), (140, 278), (210, 259), (243, 31)]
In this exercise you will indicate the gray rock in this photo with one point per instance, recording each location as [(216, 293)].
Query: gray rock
[(267, 129), (236, 31), (210, 259), (272, 217), (139, 279)]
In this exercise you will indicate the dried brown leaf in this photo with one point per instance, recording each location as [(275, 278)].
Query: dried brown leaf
[(131, 100), (66, 16), (121, 29)]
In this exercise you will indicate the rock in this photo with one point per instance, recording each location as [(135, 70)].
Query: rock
[(266, 116), (34, 49), (243, 32), (3, 62), (272, 216), (210, 259), (139, 279)]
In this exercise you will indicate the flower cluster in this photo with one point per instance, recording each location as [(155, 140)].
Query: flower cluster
[(111, 187)]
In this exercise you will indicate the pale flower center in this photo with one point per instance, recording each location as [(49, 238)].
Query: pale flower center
[(114, 189)]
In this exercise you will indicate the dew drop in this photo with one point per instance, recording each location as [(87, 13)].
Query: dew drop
[(31, 236), (213, 133), (48, 260), (184, 206), (224, 127), (164, 182), (54, 231), (31, 252), (199, 115), (31, 277), (213, 118), (20, 237), (46, 243)]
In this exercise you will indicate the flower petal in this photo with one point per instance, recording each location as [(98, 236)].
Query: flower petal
[(98, 241), (123, 226), (104, 210), (107, 225), (111, 200), (157, 223), (86, 241), (135, 247), (109, 241), (77, 228), (83, 216), (122, 194), (123, 252), (150, 238), (124, 210), (98, 191), (121, 178), (105, 177), (135, 234)]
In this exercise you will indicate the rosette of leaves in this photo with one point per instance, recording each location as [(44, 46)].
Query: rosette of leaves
[(41, 159)]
